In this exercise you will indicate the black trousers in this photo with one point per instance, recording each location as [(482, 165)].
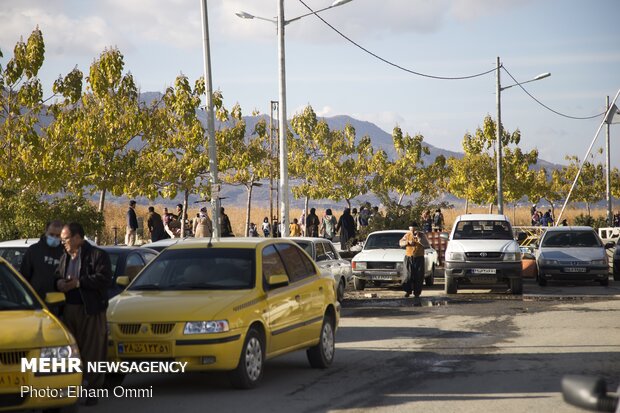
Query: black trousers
[(415, 275)]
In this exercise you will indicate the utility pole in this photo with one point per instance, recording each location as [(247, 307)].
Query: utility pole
[(498, 143), (610, 216)]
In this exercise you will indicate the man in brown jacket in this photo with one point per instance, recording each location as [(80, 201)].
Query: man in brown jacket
[(414, 256)]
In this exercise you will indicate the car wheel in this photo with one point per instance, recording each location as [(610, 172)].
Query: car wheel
[(359, 284), (542, 281), (322, 355), (340, 290), (516, 286), (604, 282), (430, 280), (249, 371), (451, 286)]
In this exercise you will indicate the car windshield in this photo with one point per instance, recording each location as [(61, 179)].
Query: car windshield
[(14, 255), (199, 269), (483, 230), (13, 294), (386, 240), (566, 239)]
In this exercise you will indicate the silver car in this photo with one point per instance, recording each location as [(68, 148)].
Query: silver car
[(572, 254), (328, 260)]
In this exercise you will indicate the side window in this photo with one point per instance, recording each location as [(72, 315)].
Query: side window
[(148, 257), (134, 265), (297, 264), (330, 251), (320, 252), (272, 263)]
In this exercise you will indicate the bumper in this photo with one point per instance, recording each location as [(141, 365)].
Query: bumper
[(379, 275), (590, 273), (212, 352), (482, 272), (40, 392)]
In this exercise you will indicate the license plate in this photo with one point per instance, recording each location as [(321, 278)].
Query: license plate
[(382, 277), (483, 271), (574, 269), (143, 348), (12, 380)]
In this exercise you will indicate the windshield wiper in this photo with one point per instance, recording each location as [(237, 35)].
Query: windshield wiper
[(146, 287), (197, 286)]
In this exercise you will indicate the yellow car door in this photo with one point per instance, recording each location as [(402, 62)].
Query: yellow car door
[(283, 312), (303, 274)]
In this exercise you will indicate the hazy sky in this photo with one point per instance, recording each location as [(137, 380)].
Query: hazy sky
[(576, 40)]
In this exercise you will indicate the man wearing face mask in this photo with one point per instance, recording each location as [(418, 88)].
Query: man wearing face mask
[(41, 259)]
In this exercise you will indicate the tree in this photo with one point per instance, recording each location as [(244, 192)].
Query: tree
[(590, 187)]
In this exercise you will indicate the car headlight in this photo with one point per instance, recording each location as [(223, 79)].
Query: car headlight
[(512, 256), (456, 256), (399, 266), (599, 262), (206, 327), (59, 353), (359, 265), (544, 261)]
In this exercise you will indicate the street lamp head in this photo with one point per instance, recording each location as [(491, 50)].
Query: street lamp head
[(340, 2), (542, 76), (244, 15)]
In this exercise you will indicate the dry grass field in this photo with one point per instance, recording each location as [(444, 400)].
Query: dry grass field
[(115, 216)]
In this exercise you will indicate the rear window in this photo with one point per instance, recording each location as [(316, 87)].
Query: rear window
[(483, 230), (566, 239), (199, 269)]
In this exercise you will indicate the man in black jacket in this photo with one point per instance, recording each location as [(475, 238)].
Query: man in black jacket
[(132, 224), (84, 275), (41, 259)]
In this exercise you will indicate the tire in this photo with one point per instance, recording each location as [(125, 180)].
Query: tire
[(249, 371), (451, 286), (541, 280), (605, 282), (430, 280), (321, 356), (516, 286), (359, 284), (340, 290), (112, 380)]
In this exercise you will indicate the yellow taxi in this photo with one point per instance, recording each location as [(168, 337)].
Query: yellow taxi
[(227, 305), (29, 331)]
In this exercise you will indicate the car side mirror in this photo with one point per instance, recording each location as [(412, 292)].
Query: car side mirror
[(280, 280), (610, 244), (54, 298), (589, 393), (123, 281), (444, 235)]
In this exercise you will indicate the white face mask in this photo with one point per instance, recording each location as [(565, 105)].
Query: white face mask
[(52, 241)]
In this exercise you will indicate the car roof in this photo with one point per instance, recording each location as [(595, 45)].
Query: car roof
[(228, 242), (311, 239), (389, 231), (123, 248), (569, 229), (482, 217), (24, 242)]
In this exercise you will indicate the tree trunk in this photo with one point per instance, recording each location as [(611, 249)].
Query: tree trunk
[(466, 206), (248, 210), (184, 213), (588, 207), (400, 198), (491, 208), (348, 203), (306, 202), (552, 208), (100, 209)]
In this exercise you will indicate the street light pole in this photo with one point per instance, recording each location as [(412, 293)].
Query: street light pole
[(215, 193), (610, 215), (283, 129), (498, 129)]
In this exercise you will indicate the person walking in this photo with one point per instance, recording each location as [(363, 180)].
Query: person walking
[(132, 224), (438, 221), (312, 224), (41, 259), (414, 253), (346, 226), (294, 228), (328, 225), (156, 225), (253, 231), (203, 227), (266, 227), (226, 226), (84, 274)]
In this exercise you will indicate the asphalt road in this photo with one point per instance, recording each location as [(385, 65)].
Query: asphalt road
[(480, 351)]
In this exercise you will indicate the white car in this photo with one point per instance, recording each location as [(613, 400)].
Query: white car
[(328, 260), (382, 260), (13, 251)]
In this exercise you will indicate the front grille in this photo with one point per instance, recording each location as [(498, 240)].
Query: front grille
[(129, 328), (381, 265), (483, 256), (163, 328), (12, 357)]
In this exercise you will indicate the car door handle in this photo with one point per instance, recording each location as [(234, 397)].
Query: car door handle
[(298, 298)]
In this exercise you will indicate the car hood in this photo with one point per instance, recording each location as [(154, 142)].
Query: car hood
[(172, 306), (483, 245), (25, 329), (380, 255), (572, 254)]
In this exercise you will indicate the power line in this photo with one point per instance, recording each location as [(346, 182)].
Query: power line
[(392, 63), (547, 107)]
